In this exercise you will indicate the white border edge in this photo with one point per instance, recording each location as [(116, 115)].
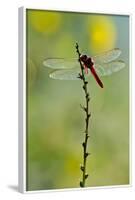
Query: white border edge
[(22, 101)]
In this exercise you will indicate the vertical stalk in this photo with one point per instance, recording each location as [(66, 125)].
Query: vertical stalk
[(87, 116)]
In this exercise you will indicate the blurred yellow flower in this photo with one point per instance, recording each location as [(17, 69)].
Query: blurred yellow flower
[(102, 33), (72, 164), (44, 21)]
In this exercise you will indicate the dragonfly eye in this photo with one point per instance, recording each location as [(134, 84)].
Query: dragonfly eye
[(83, 58)]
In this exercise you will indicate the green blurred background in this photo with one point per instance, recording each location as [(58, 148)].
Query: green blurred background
[(55, 121)]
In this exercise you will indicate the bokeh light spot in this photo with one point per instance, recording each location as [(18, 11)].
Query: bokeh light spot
[(101, 32), (45, 22)]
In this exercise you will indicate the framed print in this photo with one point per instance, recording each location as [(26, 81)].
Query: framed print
[(73, 100)]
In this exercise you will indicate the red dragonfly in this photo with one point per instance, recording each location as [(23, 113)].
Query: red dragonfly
[(101, 65)]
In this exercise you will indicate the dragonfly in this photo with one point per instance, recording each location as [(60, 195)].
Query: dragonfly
[(103, 64)]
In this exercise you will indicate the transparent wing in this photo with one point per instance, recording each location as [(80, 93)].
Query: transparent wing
[(102, 70), (61, 63), (66, 74), (65, 63), (107, 69), (107, 57)]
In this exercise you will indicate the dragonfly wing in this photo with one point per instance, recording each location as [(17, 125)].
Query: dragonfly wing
[(61, 63), (109, 68), (66, 74), (107, 57)]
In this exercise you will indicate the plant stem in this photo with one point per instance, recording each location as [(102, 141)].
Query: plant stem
[(86, 110)]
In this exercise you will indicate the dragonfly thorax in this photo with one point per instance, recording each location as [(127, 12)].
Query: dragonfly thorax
[(87, 61)]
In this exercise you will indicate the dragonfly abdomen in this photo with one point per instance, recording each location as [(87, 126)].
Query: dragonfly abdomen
[(96, 76)]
